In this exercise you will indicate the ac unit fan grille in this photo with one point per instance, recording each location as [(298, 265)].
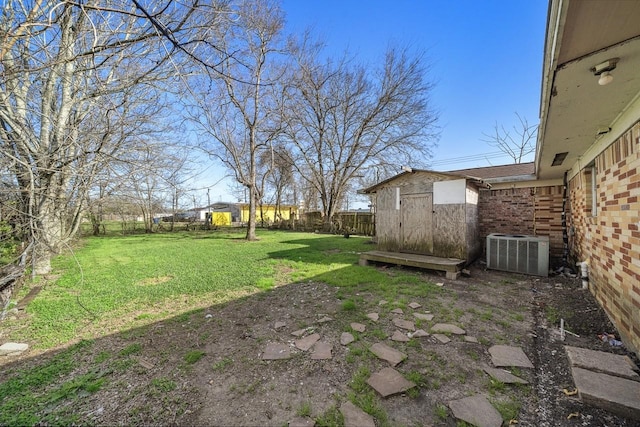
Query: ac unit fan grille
[(517, 253)]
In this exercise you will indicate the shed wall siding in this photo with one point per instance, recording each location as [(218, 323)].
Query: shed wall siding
[(416, 226), (610, 240), (449, 238), (472, 235), (474, 242), (387, 220)]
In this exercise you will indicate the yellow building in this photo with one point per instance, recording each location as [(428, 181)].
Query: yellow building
[(221, 218), (268, 213)]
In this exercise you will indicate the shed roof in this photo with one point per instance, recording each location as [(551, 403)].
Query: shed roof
[(476, 180)]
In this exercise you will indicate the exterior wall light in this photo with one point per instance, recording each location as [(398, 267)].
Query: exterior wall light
[(604, 71)]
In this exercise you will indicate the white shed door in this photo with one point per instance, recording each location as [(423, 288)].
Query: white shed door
[(417, 223)]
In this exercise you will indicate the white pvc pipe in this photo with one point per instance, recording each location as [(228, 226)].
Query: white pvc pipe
[(584, 273)]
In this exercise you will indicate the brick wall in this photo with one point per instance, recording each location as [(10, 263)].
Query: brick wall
[(531, 210), (509, 211), (610, 239), (548, 217)]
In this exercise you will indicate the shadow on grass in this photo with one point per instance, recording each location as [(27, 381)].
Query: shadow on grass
[(324, 250)]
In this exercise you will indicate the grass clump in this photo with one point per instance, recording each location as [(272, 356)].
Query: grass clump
[(131, 349), (369, 403), (359, 380), (349, 305), (496, 386), (222, 364), (330, 418), (163, 385), (193, 356), (304, 410), (441, 411), (509, 409)]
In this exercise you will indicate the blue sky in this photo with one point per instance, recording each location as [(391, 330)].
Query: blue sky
[(485, 56)]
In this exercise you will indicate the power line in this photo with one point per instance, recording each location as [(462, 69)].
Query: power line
[(469, 158)]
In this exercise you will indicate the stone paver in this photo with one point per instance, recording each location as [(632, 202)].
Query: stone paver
[(325, 319), (399, 336), (387, 353), (614, 394), (404, 324), (469, 338), (373, 316), (419, 333), (388, 382), (299, 332), (423, 316), (346, 338), (321, 351), (307, 342), (414, 305), (504, 376), (355, 417), (600, 361), (505, 356), (276, 351), (442, 338), (358, 327), (279, 325), (145, 363), (447, 328), (476, 410), (302, 422), (13, 348), (397, 311)]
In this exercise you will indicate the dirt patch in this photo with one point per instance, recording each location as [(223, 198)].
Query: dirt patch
[(206, 367), (150, 281)]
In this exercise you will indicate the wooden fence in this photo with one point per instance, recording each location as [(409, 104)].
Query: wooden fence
[(361, 223)]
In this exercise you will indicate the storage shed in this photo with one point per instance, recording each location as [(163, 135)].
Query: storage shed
[(429, 213)]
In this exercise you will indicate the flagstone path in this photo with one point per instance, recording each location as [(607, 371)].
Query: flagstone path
[(476, 409)]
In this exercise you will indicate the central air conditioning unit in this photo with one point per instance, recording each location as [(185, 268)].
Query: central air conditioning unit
[(518, 253)]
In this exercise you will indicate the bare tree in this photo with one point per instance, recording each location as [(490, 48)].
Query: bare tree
[(232, 106), (516, 145), (345, 118), (275, 168), (281, 177), (70, 71)]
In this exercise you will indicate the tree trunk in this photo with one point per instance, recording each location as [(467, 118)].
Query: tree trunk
[(251, 225), (48, 236)]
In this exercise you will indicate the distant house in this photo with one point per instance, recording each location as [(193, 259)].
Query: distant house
[(222, 213), (429, 213)]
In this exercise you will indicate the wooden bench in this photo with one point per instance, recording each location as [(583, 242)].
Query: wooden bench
[(451, 266)]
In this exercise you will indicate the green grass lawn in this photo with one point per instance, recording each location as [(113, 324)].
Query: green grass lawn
[(112, 283)]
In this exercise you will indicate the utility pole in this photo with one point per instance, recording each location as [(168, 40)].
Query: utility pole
[(209, 217)]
